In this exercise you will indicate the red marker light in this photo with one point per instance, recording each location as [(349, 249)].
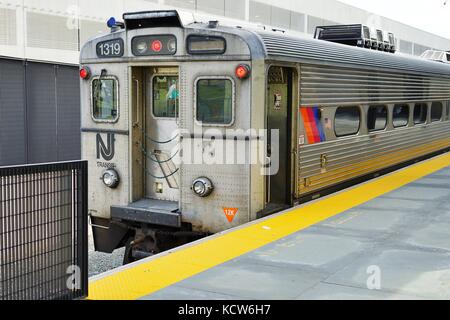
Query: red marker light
[(157, 46), (85, 73), (242, 71)]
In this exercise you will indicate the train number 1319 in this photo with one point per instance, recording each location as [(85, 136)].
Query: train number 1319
[(110, 49)]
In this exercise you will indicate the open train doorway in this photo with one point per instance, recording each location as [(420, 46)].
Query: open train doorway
[(161, 133), (155, 100), (279, 125)]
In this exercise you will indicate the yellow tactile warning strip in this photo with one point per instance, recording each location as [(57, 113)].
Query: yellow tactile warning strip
[(153, 274)]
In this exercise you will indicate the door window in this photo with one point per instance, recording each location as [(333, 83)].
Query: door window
[(166, 96)]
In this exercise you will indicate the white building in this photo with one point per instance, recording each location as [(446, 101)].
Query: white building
[(54, 30)]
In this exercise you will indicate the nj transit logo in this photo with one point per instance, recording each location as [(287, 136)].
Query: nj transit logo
[(106, 151)]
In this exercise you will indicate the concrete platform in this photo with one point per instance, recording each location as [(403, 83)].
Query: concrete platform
[(385, 239)]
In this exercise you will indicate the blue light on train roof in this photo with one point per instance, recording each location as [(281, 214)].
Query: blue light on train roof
[(111, 22)]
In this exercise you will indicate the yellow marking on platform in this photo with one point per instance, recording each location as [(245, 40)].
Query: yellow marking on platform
[(161, 271)]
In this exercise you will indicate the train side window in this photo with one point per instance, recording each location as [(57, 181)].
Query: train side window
[(214, 101), (347, 121), (377, 118), (420, 113), (400, 116), (104, 100), (166, 96), (436, 111)]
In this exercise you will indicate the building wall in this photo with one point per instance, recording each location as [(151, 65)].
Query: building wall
[(54, 30), (39, 112)]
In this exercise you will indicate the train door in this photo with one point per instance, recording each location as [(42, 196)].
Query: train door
[(279, 119), (161, 133)]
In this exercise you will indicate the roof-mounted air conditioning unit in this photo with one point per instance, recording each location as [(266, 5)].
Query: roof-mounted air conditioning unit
[(357, 35), (437, 55)]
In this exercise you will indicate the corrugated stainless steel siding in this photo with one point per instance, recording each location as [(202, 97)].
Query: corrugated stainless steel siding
[(344, 154), (337, 86), (322, 53), (334, 74)]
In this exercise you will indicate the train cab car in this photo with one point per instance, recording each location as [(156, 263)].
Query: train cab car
[(192, 128)]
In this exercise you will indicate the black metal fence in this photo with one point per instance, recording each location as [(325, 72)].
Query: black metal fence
[(43, 231)]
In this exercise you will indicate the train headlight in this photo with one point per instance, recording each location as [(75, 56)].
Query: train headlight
[(172, 46), (141, 47), (202, 187), (111, 178)]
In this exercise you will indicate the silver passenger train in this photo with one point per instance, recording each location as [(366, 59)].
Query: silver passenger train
[(191, 128)]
